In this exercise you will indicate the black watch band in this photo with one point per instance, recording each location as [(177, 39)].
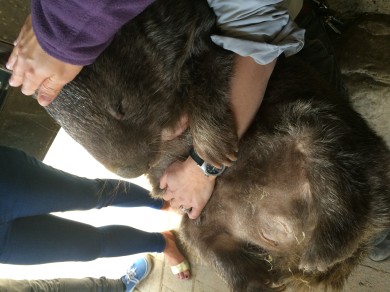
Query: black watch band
[(196, 157), (207, 168)]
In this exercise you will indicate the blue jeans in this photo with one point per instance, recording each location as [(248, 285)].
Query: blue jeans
[(101, 284), (30, 190)]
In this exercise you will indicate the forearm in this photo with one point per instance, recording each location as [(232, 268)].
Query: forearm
[(76, 32), (248, 86), (258, 32)]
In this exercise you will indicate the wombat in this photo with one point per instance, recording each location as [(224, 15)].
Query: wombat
[(118, 114), (310, 188)]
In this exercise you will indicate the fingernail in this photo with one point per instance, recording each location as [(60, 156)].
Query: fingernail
[(8, 66), (11, 82), (44, 100)]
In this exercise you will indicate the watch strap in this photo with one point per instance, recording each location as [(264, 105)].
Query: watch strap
[(207, 168), (196, 157)]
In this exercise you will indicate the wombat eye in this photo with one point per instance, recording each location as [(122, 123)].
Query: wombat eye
[(120, 109)]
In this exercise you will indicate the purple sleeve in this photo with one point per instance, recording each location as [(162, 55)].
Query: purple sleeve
[(77, 31)]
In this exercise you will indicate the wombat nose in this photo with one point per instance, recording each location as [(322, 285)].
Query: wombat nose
[(130, 171)]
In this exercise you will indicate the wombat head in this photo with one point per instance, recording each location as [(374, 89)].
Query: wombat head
[(118, 107), (115, 120), (95, 123)]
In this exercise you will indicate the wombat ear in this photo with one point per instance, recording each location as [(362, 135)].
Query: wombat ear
[(178, 129), (306, 192)]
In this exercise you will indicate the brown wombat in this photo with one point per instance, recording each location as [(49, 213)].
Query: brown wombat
[(311, 186), (159, 57)]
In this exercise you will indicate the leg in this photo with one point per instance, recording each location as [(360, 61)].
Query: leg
[(318, 50), (138, 271), (28, 187), (62, 285), (48, 238), (179, 265), (243, 269)]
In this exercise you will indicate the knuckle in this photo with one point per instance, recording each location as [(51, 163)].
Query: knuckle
[(48, 87), (15, 80), (30, 74), (22, 51), (28, 91)]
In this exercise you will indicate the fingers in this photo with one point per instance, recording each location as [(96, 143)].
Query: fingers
[(35, 70), (23, 74), (14, 54), (48, 91), (17, 76), (163, 181), (16, 42), (15, 63), (195, 212), (225, 157), (186, 187), (29, 86), (48, 79), (12, 59), (193, 209)]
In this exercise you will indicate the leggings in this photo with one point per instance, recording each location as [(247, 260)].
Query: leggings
[(101, 284), (30, 190)]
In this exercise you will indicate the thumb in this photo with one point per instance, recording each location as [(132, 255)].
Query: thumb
[(195, 212), (163, 182), (48, 91)]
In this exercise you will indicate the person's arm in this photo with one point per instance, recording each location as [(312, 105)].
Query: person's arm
[(258, 34), (61, 37), (185, 183), (248, 86)]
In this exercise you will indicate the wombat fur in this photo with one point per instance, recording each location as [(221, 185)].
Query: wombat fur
[(160, 71), (311, 187)]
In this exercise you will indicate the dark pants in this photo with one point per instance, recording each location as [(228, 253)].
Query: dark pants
[(30, 190), (318, 49), (62, 285)]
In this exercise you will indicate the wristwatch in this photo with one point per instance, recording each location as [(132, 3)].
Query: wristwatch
[(207, 168)]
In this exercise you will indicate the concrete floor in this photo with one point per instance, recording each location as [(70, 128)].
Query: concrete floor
[(23, 124)]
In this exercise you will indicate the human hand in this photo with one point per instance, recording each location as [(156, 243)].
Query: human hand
[(35, 70), (186, 187)]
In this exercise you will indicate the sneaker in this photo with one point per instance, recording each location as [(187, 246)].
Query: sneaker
[(137, 272), (381, 248)]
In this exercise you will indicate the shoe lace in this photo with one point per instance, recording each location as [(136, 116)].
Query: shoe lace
[(131, 276)]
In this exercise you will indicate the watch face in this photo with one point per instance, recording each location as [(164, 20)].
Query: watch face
[(211, 170)]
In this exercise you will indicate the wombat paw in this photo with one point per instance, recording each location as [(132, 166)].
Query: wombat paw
[(255, 286), (218, 154), (314, 263)]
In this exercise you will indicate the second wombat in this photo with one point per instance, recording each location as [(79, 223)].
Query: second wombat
[(310, 188)]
